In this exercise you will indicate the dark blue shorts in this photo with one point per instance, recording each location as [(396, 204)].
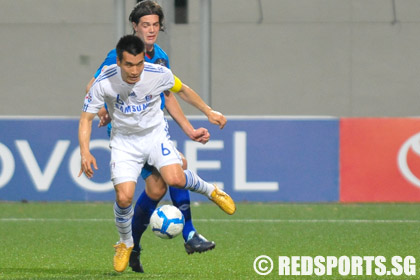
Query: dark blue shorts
[(146, 171)]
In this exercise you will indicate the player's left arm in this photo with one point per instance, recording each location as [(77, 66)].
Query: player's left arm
[(174, 109), (191, 97)]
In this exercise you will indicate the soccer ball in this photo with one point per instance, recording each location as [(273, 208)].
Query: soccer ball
[(167, 221)]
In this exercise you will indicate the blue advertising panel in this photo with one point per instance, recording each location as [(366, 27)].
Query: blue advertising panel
[(252, 158)]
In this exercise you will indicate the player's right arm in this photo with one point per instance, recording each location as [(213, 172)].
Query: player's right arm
[(87, 159), (94, 100)]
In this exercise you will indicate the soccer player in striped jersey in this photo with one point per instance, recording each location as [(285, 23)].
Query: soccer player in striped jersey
[(132, 91), (147, 21)]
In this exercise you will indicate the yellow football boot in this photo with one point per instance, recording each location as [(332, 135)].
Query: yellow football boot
[(121, 257), (223, 200)]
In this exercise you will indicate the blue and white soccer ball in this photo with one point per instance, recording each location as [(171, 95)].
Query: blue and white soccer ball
[(167, 221)]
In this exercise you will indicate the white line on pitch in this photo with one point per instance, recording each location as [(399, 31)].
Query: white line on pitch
[(220, 220), (305, 221)]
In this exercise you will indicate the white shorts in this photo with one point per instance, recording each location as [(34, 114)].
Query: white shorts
[(129, 153)]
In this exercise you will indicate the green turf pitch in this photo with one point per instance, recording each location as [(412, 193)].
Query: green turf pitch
[(74, 240)]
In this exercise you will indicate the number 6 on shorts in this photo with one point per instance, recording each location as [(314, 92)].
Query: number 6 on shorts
[(165, 151)]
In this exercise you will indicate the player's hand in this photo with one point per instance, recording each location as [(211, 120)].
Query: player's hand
[(217, 118), (201, 135), (86, 165), (104, 118)]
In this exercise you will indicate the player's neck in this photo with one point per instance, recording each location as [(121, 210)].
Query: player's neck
[(150, 48), (150, 51)]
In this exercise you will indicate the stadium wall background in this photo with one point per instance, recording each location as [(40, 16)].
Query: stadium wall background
[(353, 58)]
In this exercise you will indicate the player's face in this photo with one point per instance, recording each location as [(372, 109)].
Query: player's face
[(131, 67), (148, 29)]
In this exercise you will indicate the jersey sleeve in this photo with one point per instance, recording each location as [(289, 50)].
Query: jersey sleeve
[(94, 99), (165, 79), (110, 59), (177, 85)]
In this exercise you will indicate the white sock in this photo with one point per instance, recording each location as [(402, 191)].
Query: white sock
[(123, 217), (128, 243), (196, 184)]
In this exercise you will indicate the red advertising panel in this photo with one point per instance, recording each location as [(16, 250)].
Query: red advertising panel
[(380, 159)]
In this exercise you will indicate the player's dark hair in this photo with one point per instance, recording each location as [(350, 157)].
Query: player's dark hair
[(145, 8), (131, 44)]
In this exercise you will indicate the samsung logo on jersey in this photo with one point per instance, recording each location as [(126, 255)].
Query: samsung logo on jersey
[(131, 108), (128, 109)]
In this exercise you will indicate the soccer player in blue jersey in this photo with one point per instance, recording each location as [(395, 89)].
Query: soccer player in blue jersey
[(147, 21)]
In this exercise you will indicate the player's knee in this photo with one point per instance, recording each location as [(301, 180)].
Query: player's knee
[(124, 200), (156, 193), (155, 186), (176, 180)]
